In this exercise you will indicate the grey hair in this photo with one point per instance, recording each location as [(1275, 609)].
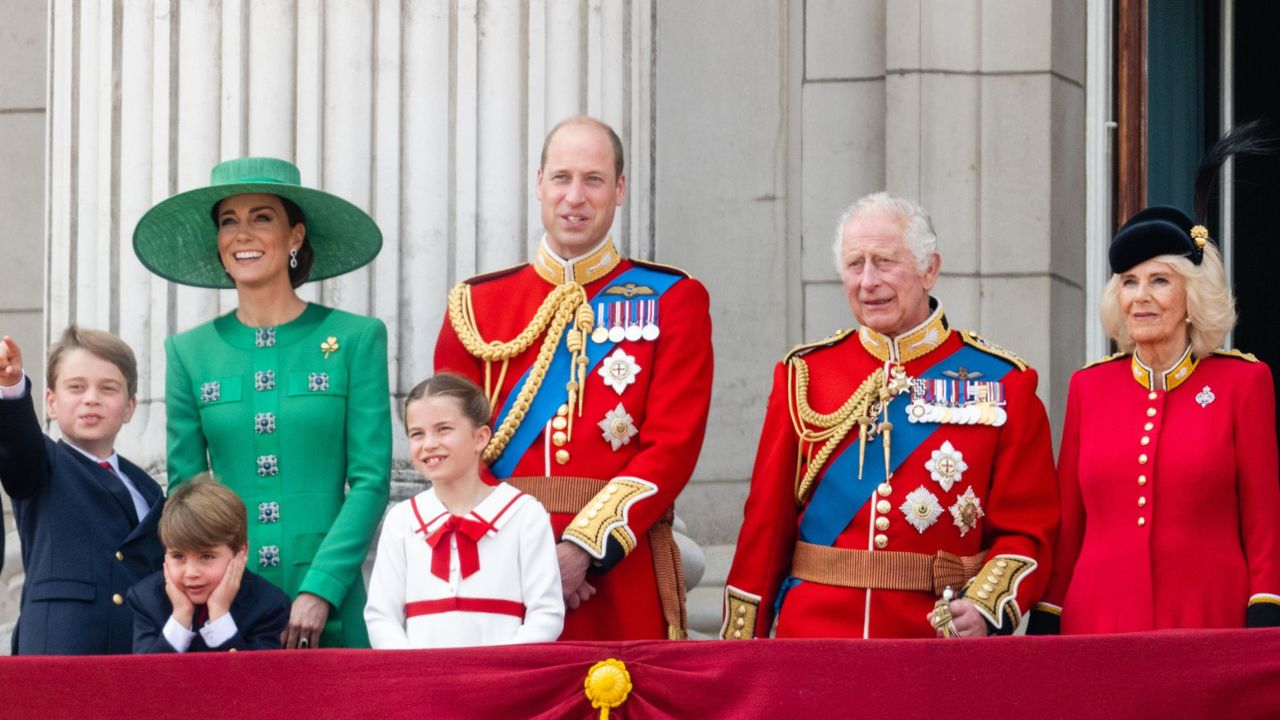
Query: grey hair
[(917, 227), (1211, 308)]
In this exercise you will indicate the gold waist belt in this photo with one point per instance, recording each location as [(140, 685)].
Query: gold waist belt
[(568, 495), (884, 569)]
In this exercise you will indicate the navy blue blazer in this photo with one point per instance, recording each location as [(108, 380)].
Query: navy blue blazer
[(261, 611), (82, 545)]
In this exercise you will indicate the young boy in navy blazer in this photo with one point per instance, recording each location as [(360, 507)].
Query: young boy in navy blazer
[(86, 516), (203, 600)]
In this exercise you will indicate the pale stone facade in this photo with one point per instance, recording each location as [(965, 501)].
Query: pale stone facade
[(750, 124)]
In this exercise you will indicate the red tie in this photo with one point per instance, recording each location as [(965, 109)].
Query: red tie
[(467, 533), (107, 466)]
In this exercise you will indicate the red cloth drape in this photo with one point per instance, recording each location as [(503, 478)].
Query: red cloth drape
[(1191, 674)]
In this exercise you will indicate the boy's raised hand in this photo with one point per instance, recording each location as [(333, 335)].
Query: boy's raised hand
[(10, 362), (222, 596), (183, 609)]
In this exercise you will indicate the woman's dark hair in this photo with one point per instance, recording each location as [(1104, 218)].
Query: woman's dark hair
[(475, 406), (306, 255)]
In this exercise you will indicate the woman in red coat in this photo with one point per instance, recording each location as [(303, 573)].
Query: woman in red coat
[(1168, 470)]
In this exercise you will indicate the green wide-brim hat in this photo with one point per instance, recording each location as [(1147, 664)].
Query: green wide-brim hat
[(178, 238)]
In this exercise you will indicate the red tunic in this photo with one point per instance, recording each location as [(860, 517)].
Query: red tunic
[(1170, 499), (667, 402), (1009, 469)]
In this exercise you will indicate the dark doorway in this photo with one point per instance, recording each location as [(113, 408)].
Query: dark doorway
[(1257, 183)]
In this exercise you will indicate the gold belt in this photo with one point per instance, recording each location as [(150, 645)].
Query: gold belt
[(568, 495), (884, 569)]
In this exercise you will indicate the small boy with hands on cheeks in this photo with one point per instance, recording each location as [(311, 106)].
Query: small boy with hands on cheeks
[(469, 561), (203, 600)]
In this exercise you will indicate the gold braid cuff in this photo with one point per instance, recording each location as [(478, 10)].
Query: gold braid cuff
[(565, 304), (606, 516), (994, 591), (740, 611)]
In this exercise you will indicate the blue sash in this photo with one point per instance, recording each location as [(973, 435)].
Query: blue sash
[(840, 494), (552, 394)]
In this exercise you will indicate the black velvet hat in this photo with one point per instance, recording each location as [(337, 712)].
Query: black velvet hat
[(1154, 231)]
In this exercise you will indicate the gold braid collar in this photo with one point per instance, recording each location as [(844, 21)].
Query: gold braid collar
[(565, 304)]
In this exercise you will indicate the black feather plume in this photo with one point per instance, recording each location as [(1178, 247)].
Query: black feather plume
[(1254, 138)]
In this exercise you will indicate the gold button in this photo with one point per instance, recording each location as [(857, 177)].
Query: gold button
[(884, 489), (883, 507), (564, 410), (1142, 479), (1002, 563), (1148, 426), (120, 556), (1142, 502), (1142, 521), (882, 523), (1151, 412), (991, 578), (117, 599), (741, 622), (591, 514), (1145, 440), (1142, 459), (983, 595), (231, 650), (1152, 395), (583, 523), (559, 423), (558, 438), (881, 541), (988, 587), (742, 610), (737, 633), (997, 571), (562, 456)]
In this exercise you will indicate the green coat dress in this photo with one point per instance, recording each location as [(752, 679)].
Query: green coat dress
[(291, 417)]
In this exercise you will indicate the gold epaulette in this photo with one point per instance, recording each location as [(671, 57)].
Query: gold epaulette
[(494, 275), (661, 267), (1247, 357), (1105, 359), (975, 340), (825, 342)]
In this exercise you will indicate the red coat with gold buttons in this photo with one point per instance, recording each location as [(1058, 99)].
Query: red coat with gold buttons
[(667, 404), (1009, 469), (1170, 499)]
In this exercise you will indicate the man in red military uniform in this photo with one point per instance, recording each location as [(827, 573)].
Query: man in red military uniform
[(599, 371), (895, 462)]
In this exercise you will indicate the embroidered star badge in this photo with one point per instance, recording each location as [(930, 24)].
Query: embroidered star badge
[(618, 427), (946, 465), (966, 511), (619, 370), (921, 508)]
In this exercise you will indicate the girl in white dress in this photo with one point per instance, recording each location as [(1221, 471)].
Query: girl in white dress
[(467, 562)]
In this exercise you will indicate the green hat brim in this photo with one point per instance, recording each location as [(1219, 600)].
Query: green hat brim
[(178, 240)]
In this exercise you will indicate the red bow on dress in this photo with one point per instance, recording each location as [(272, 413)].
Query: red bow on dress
[(467, 533)]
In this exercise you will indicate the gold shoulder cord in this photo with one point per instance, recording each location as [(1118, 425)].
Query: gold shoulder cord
[(829, 429), (565, 304)]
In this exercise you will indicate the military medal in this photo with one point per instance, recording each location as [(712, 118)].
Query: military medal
[(650, 331), (634, 331), (921, 508), (966, 511), (601, 333), (619, 370), (618, 427), (946, 465), (617, 332)]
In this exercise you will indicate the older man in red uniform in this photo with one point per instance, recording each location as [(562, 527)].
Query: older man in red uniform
[(896, 461), (599, 371)]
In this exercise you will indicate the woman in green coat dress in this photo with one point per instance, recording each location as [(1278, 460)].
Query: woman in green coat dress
[(285, 401)]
